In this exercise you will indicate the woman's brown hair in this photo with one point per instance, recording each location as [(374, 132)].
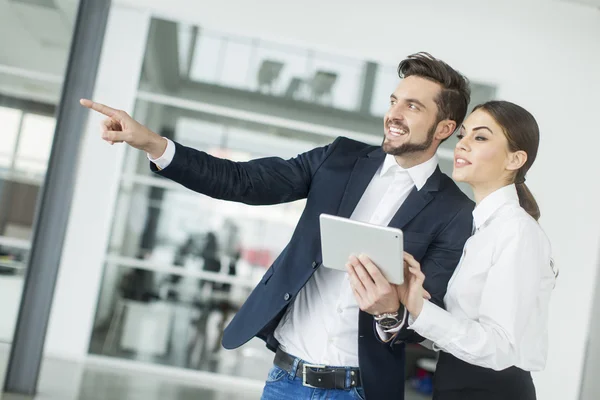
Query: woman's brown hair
[(523, 134)]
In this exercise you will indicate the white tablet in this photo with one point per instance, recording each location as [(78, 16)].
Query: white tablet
[(342, 237)]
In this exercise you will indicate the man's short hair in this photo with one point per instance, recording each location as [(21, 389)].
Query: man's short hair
[(455, 95)]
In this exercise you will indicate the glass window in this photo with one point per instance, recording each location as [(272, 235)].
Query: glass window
[(35, 143), (335, 81), (184, 41), (236, 68), (32, 67), (385, 83), (207, 59), (274, 67), (13, 258), (11, 118), (174, 319), (26, 140), (24, 151), (179, 259), (198, 133)]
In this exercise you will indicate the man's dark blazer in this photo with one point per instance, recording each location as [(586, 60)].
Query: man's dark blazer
[(436, 222)]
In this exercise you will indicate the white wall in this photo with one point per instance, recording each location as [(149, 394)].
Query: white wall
[(542, 55), (82, 262)]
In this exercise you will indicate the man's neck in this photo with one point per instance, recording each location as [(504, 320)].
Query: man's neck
[(407, 161)]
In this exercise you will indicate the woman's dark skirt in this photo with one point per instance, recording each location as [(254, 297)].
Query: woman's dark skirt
[(457, 380)]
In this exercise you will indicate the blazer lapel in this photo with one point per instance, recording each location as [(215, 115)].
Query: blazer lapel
[(362, 173), (416, 201)]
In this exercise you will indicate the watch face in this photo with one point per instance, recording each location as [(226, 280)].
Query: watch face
[(388, 322)]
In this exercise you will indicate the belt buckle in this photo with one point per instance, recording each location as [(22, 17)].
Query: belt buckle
[(304, 366)]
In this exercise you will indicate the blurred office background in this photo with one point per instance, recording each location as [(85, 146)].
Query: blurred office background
[(151, 273)]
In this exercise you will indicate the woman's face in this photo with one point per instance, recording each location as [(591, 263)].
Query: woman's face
[(482, 157)]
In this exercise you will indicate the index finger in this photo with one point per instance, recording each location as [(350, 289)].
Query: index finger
[(101, 108)]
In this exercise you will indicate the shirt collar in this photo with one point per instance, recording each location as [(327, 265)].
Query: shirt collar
[(490, 204), (419, 173)]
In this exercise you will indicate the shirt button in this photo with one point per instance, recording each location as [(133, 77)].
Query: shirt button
[(315, 264), (286, 296), (339, 310)]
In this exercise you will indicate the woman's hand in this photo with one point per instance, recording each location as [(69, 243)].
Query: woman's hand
[(411, 292), (374, 294)]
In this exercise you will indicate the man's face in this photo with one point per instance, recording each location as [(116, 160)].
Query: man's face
[(410, 123)]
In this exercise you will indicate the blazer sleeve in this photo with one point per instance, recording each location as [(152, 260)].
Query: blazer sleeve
[(439, 264), (262, 181)]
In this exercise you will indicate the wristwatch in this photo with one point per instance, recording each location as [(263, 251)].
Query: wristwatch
[(389, 320)]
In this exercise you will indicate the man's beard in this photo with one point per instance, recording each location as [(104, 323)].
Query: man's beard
[(408, 148)]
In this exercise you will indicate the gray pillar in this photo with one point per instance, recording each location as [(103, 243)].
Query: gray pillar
[(589, 386), (55, 198), (368, 86)]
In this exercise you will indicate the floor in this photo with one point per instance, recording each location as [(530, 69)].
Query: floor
[(65, 380), (101, 379)]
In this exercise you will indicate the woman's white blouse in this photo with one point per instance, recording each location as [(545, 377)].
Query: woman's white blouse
[(497, 300)]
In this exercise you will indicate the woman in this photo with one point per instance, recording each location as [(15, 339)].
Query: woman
[(494, 329)]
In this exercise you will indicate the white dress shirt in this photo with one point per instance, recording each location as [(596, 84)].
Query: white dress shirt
[(497, 300), (163, 161), (321, 325)]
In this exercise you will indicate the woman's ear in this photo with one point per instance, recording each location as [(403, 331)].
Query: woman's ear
[(516, 160)]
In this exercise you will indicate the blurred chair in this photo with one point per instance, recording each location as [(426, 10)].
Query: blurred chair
[(321, 86), (294, 88), (268, 73), (136, 289), (140, 327)]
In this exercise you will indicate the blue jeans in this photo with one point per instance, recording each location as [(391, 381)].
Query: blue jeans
[(282, 385)]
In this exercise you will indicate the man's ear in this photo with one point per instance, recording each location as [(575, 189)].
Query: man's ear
[(445, 129)]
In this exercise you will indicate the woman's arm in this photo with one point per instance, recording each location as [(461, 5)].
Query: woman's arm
[(508, 301)]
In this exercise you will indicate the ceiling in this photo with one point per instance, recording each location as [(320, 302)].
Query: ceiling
[(593, 3), (35, 35)]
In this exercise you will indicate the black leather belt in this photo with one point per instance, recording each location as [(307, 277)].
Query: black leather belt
[(318, 376)]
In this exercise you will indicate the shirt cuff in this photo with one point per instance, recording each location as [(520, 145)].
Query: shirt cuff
[(411, 320), (383, 335), (165, 160), (388, 334), (433, 323), (402, 322)]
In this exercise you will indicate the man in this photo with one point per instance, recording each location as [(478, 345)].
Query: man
[(325, 346)]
